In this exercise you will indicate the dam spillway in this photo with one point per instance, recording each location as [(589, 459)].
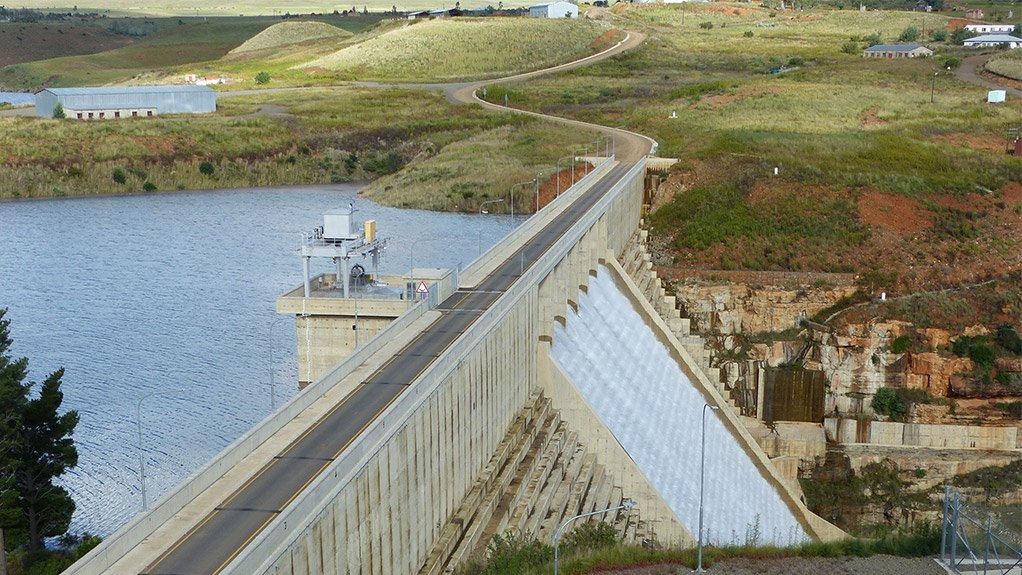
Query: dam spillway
[(639, 391)]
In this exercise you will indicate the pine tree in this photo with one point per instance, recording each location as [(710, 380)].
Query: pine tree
[(37, 448)]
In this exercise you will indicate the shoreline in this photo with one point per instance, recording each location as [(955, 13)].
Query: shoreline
[(291, 187)]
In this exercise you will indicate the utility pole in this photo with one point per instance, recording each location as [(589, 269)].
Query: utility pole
[(3, 554)]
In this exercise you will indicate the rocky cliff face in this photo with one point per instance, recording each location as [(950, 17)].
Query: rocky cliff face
[(858, 359), (742, 309)]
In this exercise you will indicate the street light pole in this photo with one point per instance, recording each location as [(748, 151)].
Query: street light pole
[(702, 466), (537, 192), (933, 87), (557, 534), (141, 451), (512, 194), (481, 212)]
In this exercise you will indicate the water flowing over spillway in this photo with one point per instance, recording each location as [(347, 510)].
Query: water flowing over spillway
[(641, 394)]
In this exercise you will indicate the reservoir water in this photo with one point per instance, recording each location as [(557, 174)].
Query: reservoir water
[(175, 292), (16, 98)]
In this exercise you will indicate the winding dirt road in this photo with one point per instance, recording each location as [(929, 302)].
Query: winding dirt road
[(967, 73)]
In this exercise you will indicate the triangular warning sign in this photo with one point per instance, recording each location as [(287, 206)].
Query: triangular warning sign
[(421, 288)]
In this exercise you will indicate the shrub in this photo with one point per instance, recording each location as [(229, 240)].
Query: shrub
[(873, 39), (120, 177), (952, 62), (748, 34), (1007, 337), (262, 78), (977, 349), (591, 536), (910, 34), (960, 35), (901, 344), (887, 402), (796, 61), (706, 25), (515, 552), (149, 186), (939, 35), (58, 112), (850, 47), (207, 168)]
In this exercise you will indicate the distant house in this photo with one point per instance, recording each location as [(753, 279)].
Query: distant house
[(974, 13), (554, 10), (891, 51), (990, 28), (993, 40), (446, 12), (417, 15), (125, 101)]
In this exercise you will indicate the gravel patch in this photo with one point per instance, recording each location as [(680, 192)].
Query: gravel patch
[(876, 565)]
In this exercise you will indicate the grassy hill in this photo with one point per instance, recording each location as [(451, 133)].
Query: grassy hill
[(182, 45), (1008, 64), (28, 41), (454, 49), (872, 177), (247, 7), (289, 33)]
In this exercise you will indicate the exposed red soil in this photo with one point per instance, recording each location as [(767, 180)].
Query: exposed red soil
[(986, 142), (1012, 192), (927, 247), (549, 187), (721, 9), (719, 100), (605, 38), (899, 214), (716, 101), (869, 117)]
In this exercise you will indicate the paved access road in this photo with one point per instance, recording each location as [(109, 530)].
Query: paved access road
[(220, 536)]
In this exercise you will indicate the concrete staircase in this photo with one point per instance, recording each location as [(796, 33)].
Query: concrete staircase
[(539, 476)]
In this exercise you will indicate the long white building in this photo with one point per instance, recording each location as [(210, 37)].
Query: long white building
[(125, 101)]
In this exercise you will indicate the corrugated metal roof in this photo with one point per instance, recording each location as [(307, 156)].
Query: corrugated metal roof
[(994, 38), (894, 47), (107, 90)]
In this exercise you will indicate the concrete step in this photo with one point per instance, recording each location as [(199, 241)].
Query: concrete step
[(538, 475), (552, 491), (458, 538), (503, 490), (559, 508)]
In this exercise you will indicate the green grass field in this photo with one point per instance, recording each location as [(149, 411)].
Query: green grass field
[(288, 34), (1008, 64), (180, 46), (313, 136), (325, 51), (839, 128), (458, 48)]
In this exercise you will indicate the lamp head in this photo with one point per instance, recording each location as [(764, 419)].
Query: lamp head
[(629, 504)]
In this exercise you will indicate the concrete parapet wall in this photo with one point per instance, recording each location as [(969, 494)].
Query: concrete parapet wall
[(890, 433)]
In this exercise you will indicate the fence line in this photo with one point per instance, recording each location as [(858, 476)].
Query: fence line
[(964, 530)]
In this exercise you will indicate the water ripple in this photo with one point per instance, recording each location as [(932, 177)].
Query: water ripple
[(176, 292)]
